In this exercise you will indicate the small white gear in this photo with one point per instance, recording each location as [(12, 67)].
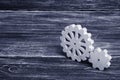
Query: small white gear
[(76, 42), (100, 59)]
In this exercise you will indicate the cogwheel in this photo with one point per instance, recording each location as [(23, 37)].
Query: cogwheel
[(100, 59), (76, 42)]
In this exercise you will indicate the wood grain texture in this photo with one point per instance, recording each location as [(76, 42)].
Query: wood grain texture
[(30, 33), (30, 45), (49, 68), (60, 5)]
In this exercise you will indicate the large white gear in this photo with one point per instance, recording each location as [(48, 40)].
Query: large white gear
[(76, 42), (100, 59)]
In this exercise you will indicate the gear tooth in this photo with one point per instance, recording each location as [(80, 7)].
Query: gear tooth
[(89, 34), (90, 41), (78, 59), (109, 57), (101, 68), (68, 54), (86, 36), (85, 29), (94, 66), (105, 51), (92, 54), (79, 27), (108, 64), (84, 58), (63, 32), (61, 38), (90, 60), (72, 58), (62, 44), (72, 25), (88, 55), (82, 32), (91, 48), (76, 28), (67, 27), (98, 49), (64, 50)]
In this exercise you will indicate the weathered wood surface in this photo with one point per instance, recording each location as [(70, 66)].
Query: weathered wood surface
[(30, 50), (60, 5), (29, 33), (49, 68)]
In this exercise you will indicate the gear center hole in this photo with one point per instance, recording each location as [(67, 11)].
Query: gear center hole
[(74, 43), (98, 59)]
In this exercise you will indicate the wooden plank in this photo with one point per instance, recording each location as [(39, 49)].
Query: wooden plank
[(49, 68), (60, 5), (36, 33)]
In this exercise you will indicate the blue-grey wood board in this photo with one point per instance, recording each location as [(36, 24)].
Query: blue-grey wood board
[(30, 45), (60, 5)]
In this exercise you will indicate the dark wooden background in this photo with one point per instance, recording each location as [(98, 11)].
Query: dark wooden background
[(30, 45)]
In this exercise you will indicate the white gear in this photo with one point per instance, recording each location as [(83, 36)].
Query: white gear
[(76, 42), (100, 59)]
